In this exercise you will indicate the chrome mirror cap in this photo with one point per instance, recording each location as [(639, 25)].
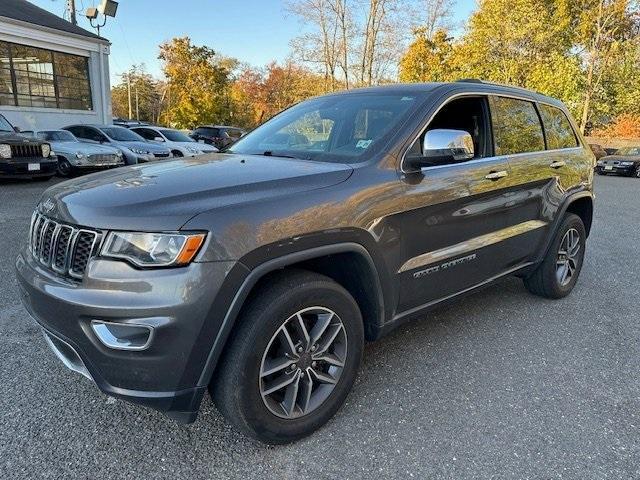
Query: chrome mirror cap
[(456, 144)]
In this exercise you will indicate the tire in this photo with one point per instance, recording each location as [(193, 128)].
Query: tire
[(241, 385), (637, 172), (177, 153), (64, 167), (550, 279)]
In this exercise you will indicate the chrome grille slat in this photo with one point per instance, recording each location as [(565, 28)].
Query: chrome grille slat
[(63, 248)]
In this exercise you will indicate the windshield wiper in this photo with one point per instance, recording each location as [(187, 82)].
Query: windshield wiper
[(270, 153)]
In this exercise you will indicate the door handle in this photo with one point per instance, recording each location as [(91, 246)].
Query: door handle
[(496, 175), (558, 164)]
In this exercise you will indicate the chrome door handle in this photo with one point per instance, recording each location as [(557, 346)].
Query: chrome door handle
[(496, 175), (558, 164)]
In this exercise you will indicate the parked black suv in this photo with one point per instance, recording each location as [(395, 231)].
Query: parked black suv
[(219, 136), (258, 274), (24, 157)]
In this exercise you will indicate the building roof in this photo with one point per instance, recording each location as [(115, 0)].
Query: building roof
[(27, 12)]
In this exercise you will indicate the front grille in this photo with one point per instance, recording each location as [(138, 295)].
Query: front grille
[(26, 151), (161, 155), (65, 249), (102, 158)]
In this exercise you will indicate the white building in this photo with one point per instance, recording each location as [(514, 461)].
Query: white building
[(52, 73)]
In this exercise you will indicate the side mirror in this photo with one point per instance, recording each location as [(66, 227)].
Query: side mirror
[(442, 146)]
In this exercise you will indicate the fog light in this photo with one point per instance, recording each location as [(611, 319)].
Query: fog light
[(122, 336)]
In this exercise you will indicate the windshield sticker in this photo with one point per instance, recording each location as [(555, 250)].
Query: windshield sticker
[(363, 143)]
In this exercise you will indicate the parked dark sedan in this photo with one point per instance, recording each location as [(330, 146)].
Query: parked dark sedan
[(625, 162)]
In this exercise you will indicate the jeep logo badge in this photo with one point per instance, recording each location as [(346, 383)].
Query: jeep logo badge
[(48, 206)]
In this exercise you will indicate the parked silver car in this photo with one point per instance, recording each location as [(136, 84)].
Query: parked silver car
[(76, 156), (180, 144), (134, 148)]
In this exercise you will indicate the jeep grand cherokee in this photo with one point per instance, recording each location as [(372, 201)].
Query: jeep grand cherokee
[(257, 274)]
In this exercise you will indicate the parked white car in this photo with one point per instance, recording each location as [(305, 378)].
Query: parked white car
[(180, 144)]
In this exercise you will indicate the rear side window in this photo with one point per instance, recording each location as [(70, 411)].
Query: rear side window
[(557, 128), (516, 126)]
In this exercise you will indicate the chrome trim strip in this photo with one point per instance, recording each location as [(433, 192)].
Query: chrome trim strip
[(470, 245), (487, 94)]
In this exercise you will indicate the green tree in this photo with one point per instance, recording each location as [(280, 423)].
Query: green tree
[(198, 84), (138, 95), (428, 60)]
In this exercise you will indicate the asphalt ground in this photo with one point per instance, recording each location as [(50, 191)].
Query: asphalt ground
[(501, 384)]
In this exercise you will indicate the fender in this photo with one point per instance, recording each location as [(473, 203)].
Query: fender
[(556, 223), (270, 266)]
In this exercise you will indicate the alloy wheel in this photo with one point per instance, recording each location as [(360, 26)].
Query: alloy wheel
[(567, 260), (303, 362)]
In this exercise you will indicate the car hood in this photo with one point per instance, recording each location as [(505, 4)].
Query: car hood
[(165, 195), (86, 148), (13, 138), (148, 146), (621, 158)]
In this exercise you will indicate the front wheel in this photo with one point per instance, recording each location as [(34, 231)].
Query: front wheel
[(64, 167), (556, 276), (637, 172), (292, 360)]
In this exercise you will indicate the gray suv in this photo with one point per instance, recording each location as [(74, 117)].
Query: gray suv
[(258, 274)]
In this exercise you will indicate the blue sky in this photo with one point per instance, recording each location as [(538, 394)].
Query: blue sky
[(254, 31)]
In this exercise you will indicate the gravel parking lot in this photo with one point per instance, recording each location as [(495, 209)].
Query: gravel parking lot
[(500, 385)]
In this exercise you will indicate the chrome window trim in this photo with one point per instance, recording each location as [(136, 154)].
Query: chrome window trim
[(496, 157)]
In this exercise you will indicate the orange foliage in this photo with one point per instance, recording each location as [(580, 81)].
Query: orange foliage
[(624, 126)]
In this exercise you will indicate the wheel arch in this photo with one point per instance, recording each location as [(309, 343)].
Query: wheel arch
[(349, 264), (580, 204)]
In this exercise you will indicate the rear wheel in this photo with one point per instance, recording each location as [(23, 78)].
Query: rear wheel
[(556, 276), (292, 360)]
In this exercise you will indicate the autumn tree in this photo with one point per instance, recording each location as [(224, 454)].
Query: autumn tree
[(198, 84), (428, 59)]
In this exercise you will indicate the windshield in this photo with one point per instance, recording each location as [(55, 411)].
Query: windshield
[(5, 126), (341, 128), (122, 134), (57, 136), (176, 136), (628, 151)]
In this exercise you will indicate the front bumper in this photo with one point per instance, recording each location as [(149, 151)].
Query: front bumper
[(617, 169), (175, 303), (20, 167)]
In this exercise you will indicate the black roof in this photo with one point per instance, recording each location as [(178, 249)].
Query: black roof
[(28, 12)]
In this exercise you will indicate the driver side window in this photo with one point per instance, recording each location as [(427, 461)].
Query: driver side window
[(468, 114)]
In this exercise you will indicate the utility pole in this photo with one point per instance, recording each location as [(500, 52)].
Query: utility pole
[(71, 6), (129, 92), (137, 111)]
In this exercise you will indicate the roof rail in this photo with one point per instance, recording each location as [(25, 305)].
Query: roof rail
[(470, 80)]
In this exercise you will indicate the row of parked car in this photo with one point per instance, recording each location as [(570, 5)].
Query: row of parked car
[(79, 148)]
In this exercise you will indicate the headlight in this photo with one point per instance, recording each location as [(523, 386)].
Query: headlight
[(626, 164), (153, 249), (46, 150), (139, 151), (5, 150), (118, 153), (79, 155)]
